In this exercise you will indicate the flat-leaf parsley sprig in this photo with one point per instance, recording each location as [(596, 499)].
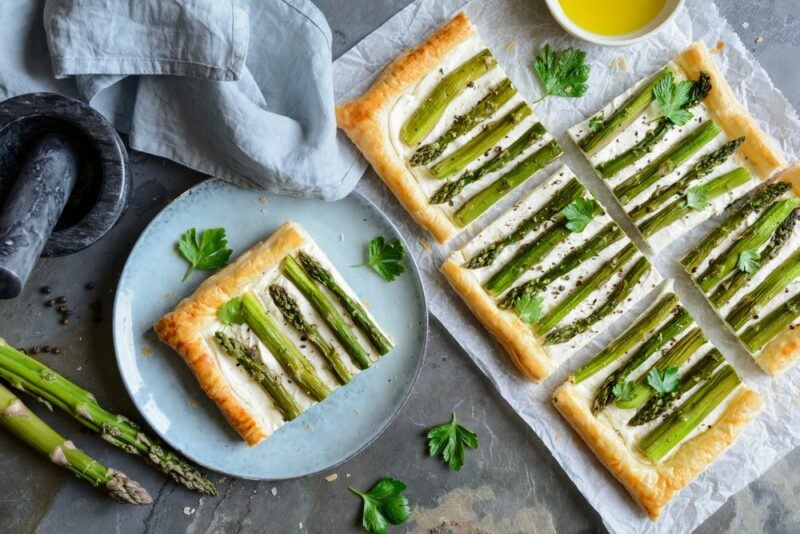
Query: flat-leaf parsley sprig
[(208, 253), (562, 73), (449, 440), (386, 258), (384, 504)]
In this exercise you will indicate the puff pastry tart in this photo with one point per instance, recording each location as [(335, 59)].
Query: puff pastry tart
[(549, 274), (671, 169), (749, 269), (658, 404), (273, 333), (447, 131)]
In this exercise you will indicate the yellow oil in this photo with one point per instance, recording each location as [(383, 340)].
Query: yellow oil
[(612, 17)]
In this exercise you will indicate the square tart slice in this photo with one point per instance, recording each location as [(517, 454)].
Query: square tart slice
[(748, 267), (671, 174), (549, 274), (266, 368), (447, 131), (658, 404)]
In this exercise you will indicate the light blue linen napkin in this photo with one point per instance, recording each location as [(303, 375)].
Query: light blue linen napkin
[(239, 90)]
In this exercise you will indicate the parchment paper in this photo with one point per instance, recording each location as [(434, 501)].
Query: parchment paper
[(515, 30)]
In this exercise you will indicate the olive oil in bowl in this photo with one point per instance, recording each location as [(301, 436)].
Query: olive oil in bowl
[(612, 17)]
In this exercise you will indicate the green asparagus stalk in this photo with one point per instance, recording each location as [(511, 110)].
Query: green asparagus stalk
[(607, 169), (674, 357), (633, 335), (608, 235), (621, 291), (579, 294), (298, 276), (663, 438), (667, 162), (27, 374), (481, 143), (488, 106), (356, 311), (623, 117), (702, 168), (753, 237), (731, 285), (658, 404), (717, 186), (24, 424), (428, 114), (757, 335), (281, 347), (451, 189), (486, 256), (483, 200), (259, 372), (677, 324)]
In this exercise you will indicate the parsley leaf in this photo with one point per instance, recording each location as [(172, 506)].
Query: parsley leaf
[(749, 260), (232, 312), (384, 504), (562, 74), (623, 390), (596, 122), (663, 382), (530, 308), (385, 258), (449, 440), (208, 253), (697, 198), (672, 99), (579, 213)]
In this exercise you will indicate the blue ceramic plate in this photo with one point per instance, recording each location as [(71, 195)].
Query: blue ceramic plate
[(167, 394)]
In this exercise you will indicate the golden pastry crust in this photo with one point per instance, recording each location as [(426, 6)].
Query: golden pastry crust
[(363, 120), (653, 485), (522, 346), (760, 151), (182, 329)]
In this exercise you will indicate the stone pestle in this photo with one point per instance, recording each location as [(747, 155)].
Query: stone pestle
[(34, 204)]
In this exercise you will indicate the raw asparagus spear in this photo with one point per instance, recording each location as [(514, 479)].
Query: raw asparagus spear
[(620, 292), (728, 287), (658, 404), (663, 438), (607, 169), (298, 276), (608, 235), (486, 198), (717, 186), (281, 347), (677, 324), (702, 168), (27, 374), (633, 335), (579, 294), (622, 117), (667, 162), (452, 189), (757, 335), (481, 143), (494, 100), (753, 237), (764, 196), (674, 357), (259, 372), (486, 256), (428, 114)]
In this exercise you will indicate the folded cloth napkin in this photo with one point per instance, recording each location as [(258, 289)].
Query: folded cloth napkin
[(242, 91)]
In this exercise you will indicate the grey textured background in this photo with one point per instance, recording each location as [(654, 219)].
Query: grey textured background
[(511, 484)]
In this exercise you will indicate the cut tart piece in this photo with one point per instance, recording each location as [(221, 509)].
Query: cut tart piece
[(677, 147), (658, 404), (749, 269), (549, 274), (266, 340), (447, 131)]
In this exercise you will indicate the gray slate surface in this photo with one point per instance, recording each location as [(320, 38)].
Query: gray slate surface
[(511, 484)]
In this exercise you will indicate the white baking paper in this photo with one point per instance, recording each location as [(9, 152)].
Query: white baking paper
[(515, 30)]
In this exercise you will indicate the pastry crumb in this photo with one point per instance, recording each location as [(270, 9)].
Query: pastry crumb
[(720, 47), (274, 491), (147, 351), (619, 63), (745, 25), (341, 237), (357, 411), (425, 244), (188, 510), (262, 200), (759, 40), (331, 477), (511, 46)]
